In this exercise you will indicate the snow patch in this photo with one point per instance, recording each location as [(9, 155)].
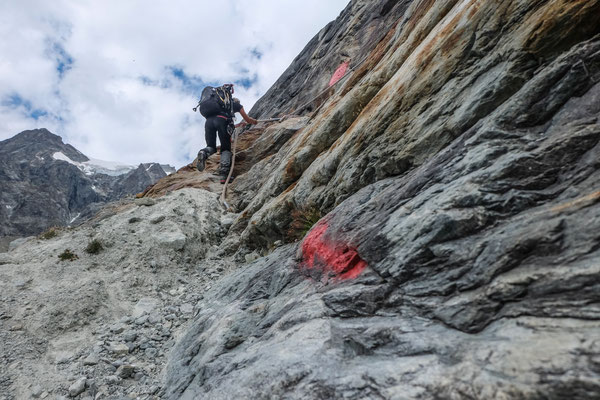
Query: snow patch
[(108, 167), (62, 157), (168, 170), (95, 166), (77, 216)]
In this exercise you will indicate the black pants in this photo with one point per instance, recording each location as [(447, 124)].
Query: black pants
[(218, 125)]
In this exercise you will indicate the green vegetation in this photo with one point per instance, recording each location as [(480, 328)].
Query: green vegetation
[(94, 247), (49, 234), (67, 255), (302, 221)]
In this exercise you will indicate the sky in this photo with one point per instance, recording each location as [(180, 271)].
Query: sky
[(118, 79)]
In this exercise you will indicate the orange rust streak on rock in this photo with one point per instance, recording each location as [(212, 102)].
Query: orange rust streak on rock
[(421, 10), (578, 203), (373, 59), (380, 51), (565, 17), (290, 188), (447, 38)]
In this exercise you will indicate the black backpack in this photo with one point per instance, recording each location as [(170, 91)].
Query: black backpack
[(216, 101)]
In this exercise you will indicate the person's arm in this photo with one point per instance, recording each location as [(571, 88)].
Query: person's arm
[(247, 118)]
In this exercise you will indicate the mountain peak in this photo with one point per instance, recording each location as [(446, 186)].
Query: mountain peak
[(41, 133), (38, 142)]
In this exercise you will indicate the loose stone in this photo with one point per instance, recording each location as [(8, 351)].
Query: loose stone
[(119, 349), (125, 371), (36, 391), (92, 359), (77, 387)]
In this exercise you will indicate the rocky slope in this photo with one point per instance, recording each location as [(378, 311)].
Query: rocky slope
[(102, 322), (454, 175), (45, 182)]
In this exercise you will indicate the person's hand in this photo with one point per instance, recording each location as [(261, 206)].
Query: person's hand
[(241, 124), (254, 121)]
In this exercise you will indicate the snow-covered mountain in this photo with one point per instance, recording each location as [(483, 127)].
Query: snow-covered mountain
[(93, 166), (112, 168), (45, 182)]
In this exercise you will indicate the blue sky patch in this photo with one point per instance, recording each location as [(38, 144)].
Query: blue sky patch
[(247, 82), (191, 84), (147, 81), (15, 101), (38, 113), (256, 53), (64, 61)]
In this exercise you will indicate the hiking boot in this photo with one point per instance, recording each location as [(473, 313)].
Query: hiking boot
[(201, 161), (225, 163), (224, 179)]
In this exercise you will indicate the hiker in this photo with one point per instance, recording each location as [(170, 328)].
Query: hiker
[(219, 107)]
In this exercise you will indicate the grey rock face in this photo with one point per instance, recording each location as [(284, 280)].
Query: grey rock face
[(125, 371), (404, 104), (467, 186), (38, 191), (351, 37)]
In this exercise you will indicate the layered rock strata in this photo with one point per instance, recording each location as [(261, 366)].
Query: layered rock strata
[(458, 257)]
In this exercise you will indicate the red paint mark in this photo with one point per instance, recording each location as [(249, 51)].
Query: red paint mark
[(330, 257), (339, 73)]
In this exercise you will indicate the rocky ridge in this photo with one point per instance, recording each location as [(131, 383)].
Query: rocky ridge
[(455, 181)]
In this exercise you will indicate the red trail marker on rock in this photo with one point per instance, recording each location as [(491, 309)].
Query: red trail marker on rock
[(329, 256), (339, 73)]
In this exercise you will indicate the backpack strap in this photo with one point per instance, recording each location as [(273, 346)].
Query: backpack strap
[(224, 98)]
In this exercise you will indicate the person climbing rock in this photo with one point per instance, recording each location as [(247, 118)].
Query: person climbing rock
[(219, 106)]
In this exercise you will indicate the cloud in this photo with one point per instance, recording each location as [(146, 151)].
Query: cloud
[(118, 79)]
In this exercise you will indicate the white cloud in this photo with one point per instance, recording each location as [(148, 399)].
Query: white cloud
[(78, 68)]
